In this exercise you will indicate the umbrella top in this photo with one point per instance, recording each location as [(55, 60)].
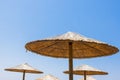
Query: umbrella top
[(23, 68), (48, 77), (82, 46), (72, 36), (88, 69), (88, 78)]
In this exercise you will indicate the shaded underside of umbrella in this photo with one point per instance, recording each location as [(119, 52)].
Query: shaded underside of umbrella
[(82, 47), (48, 77), (88, 70)]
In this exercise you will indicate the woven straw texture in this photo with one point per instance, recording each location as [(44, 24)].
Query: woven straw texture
[(82, 46), (48, 77), (88, 69), (88, 78), (24, 68)]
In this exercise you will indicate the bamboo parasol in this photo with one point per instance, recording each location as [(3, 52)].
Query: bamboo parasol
[(24, 68), (71, 45)]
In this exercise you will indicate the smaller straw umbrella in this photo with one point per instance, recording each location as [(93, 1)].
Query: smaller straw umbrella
[(24, 68), (88, 78), (48, 77), (86, 70)]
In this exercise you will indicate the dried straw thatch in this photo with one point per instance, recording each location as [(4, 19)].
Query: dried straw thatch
[(88, 78), (82, 46), (88, 70), (71, 45), (48, 77), (23, 68)]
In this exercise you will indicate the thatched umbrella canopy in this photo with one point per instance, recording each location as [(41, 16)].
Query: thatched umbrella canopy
[(48, 77), (86, 70), (71, 45), (24, 68)]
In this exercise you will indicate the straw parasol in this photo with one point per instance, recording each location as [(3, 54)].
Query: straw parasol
[(48, 77), (86, 70), (25, 68), (71, 45), (88, 78)]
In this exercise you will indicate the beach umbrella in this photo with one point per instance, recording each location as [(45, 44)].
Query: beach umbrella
[(24, 68), (86, 70), (48, 77), (70, 45), (88, 78)]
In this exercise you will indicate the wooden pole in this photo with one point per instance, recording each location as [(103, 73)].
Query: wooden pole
[(84, 75), (24, 75), (70, 61)]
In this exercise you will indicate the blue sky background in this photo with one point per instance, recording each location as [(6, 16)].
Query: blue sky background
[(22, 21)]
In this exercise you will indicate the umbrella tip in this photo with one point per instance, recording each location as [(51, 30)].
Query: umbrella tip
[(69, 32)]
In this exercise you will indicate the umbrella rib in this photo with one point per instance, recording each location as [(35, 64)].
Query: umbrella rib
[(48, 46), (93, 47)]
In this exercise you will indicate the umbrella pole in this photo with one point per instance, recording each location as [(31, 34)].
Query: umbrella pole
[(84, 75), (23, 75), (70, 61)]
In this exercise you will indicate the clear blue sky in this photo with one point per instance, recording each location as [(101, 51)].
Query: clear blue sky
[(22, 21)]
